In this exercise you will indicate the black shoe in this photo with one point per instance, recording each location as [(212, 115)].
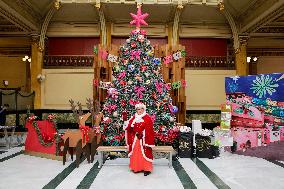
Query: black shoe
[(146, 173)]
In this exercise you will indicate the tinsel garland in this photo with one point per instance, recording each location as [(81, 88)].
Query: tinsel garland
[(56, 136)]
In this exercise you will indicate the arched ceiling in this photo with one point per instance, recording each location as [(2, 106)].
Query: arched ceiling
[(255, 18)]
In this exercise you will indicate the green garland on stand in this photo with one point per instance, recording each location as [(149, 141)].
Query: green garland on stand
[(56, 136)]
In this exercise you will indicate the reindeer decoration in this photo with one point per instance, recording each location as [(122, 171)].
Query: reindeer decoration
[(76, 112)]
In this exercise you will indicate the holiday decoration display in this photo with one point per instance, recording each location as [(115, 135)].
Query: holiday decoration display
[(137, 78), (43, 136), (257, 109)]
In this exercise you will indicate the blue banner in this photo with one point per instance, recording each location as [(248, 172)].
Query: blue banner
[(261, 86)]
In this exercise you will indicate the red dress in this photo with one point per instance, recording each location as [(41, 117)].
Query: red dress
[(140, 150)]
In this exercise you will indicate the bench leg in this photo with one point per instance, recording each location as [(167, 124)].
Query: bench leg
[(6, 137), (101, 159), (170, 159)]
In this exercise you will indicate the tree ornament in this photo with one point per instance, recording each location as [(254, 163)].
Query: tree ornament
[(130, 82), (141, 38), (147, 74), (138, 19), (128, 40), (147, 82), (172, 119), (115, 114), (143, 68), (131, 68), (123, 103), (156, 61), (133, 45), (174, 109)]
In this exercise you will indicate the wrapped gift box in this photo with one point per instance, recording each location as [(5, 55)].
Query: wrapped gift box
[(245, 138), (204, 149)]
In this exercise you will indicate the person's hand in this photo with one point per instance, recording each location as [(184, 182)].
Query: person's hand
[(139, 136)]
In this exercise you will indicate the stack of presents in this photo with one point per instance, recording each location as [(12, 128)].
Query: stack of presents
[(252, 117)]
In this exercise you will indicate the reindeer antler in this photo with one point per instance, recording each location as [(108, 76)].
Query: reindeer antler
[(80, 109)]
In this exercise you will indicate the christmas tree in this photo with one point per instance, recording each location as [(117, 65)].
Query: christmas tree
[(137, 78)]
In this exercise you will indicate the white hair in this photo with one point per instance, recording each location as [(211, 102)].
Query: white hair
[(140, 105)]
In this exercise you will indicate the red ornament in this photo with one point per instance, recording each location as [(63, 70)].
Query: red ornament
[(143, 68), (124, 116), (133, 44), (122, 83), (154, 95), (123, 103)]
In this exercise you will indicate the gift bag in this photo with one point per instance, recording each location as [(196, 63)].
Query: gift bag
[(185, 145)]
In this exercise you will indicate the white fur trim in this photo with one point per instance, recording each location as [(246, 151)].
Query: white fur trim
[(142, 150), (140, 105), (144, 143)]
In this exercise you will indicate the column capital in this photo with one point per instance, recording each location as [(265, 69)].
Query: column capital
[(243, 39)]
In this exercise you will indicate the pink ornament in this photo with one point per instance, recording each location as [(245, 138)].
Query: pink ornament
[(183, 83), (96, 82), (139, 91), (168, 59), (121, 75), (138, 19), (168, 86), (159, 87), (103, 54), (135, 54)]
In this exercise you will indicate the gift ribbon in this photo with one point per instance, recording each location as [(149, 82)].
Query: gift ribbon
[(139, 91), (135, 54), (85, 136)]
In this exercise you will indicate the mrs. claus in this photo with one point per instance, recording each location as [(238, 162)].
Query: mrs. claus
[(139, 137)]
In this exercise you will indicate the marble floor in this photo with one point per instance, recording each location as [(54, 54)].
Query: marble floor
[(228, 171)]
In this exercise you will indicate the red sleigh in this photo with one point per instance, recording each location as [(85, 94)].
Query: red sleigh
[(44, 145)]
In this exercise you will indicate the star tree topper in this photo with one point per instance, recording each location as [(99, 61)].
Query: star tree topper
[(138, 19)]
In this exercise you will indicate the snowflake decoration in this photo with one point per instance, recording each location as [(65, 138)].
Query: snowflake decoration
[(232, 87), (235, 78), (264, 85)]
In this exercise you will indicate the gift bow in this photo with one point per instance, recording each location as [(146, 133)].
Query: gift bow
[(135, 54), (84, 130), (139, 91), (159, 87), (121, 75), (103, 54)]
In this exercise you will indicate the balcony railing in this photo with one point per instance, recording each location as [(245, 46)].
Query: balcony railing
[(67, 61), (210, 62)]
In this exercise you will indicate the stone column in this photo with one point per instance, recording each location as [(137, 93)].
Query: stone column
[(241, 58), (36, 69)]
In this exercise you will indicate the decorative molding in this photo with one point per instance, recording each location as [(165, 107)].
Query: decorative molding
[(270, 30), (15, 18), (44, 28), (211, 31), (29, 9), (152, 30), (58, 29), (67, 61), (234, 29), (265, 52), (176, 25), (272, 13), (160, 2), (218, 62)]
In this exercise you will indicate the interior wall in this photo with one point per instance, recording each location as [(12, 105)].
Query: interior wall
[(61, 85), (206, 88), (72, 45), (270, 64), (13, 69), (204, 46)]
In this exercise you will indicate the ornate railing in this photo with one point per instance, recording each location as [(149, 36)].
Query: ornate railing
[(63, 61), (214, 62)]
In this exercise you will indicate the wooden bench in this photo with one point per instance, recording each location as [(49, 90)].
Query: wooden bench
[(102, 149)]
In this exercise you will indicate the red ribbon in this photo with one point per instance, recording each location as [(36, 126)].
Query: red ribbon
[(84, 130)]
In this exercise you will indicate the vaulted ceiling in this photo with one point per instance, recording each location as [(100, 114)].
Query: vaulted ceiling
[(257, 19)]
